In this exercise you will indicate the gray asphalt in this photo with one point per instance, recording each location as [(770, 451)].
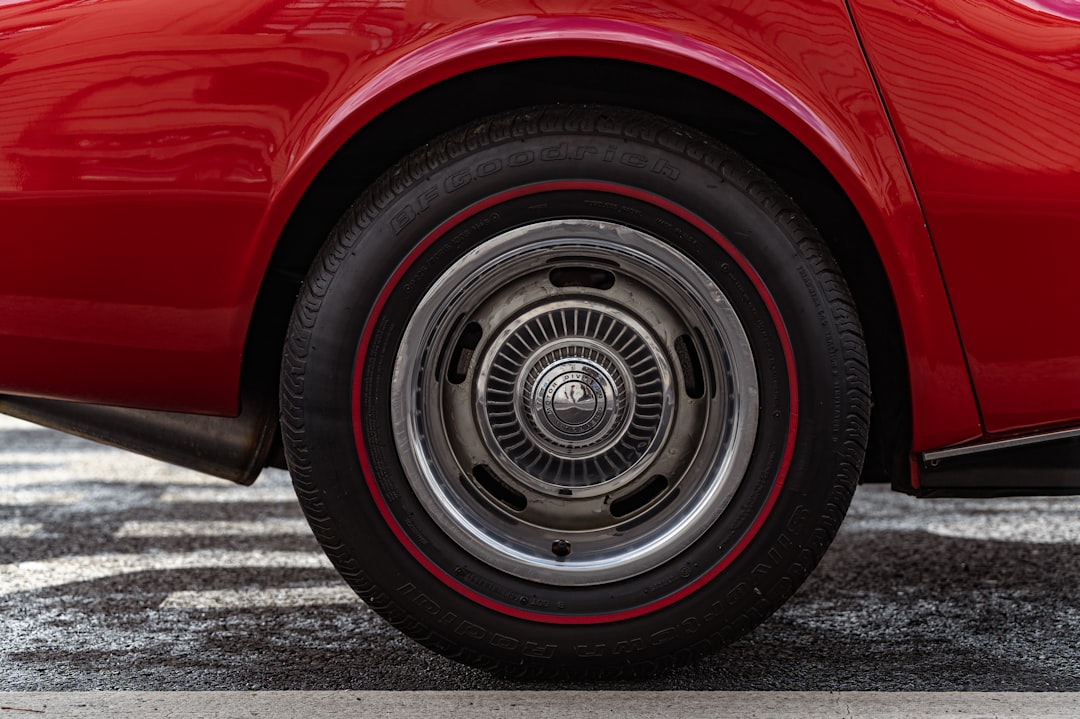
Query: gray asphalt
[(117, 572)]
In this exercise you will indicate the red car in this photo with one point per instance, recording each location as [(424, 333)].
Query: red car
[(564, 315)]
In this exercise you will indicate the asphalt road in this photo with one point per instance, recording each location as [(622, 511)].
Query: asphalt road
[(117, 572)]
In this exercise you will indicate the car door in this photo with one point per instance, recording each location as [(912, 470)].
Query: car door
[(985, 99)]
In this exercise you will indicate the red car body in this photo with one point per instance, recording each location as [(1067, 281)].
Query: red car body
[(166, 170), (153, 154)]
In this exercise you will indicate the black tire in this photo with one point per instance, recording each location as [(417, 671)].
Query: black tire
[(595, 506)]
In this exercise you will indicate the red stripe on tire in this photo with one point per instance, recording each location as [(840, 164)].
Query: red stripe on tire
[(448, 579)]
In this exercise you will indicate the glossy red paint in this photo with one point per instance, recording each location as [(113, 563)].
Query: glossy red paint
[(986, 103), (837, 115), (152, 153)]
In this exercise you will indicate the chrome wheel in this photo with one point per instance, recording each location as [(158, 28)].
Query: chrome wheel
[(574, 402)]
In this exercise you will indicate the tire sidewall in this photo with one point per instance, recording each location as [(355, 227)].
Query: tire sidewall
[(406, 223)]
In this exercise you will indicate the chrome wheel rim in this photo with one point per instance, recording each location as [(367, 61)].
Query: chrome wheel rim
[(574, 402)]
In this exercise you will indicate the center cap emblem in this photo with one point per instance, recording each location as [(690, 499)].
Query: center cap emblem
[(574, 402)]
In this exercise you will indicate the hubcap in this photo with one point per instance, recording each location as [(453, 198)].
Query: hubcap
[(575, 402), (573, 394)]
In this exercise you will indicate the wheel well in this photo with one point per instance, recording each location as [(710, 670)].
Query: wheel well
[(439, 109)]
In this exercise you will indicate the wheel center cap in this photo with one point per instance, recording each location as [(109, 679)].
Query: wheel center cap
[(574, 402)]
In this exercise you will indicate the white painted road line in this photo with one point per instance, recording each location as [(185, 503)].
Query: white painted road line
[(7, 422), (113, 467), (542, 704), (32, 497), (29, 576), (229, 494), (1047, 528), (18, 530), (260, 528), (280, 597)]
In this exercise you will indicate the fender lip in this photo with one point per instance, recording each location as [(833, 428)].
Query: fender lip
[(854, 145)]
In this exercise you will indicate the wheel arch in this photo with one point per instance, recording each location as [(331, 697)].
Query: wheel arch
[(711, 106)]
